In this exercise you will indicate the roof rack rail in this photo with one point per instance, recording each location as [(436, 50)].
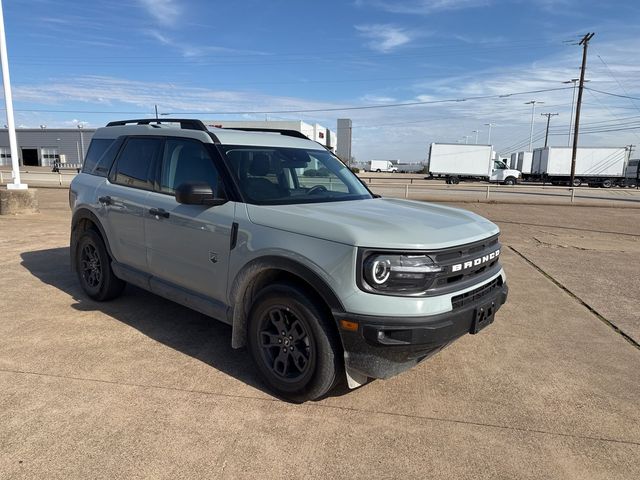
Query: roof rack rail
[(185, 123), (281, 131)]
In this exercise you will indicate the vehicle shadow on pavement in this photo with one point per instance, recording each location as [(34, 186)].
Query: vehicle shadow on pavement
[(173, 325)]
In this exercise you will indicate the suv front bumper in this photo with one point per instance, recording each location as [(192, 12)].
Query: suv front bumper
[(382, 347)]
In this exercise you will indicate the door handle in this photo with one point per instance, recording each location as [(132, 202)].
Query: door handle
[(159, 212), (106, 200)]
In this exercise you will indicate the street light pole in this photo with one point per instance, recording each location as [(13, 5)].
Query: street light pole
[(476, 132), (8, 100), (489, 136), (533, 112), (81, 156), (466, 138)]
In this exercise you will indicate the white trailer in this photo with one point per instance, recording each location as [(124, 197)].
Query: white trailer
[(524, 164), (455, 161), (597, 166), (382, 166)]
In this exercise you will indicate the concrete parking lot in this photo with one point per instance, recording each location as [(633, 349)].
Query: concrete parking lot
[(144, 388)]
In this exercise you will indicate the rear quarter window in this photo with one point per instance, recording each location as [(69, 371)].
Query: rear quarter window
[(97, 149)]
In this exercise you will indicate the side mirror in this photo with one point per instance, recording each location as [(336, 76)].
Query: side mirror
[(197, 193)]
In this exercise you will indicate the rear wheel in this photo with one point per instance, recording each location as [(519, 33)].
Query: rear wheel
[(607, 183), (293, 345), (93, 267), (577, 182)]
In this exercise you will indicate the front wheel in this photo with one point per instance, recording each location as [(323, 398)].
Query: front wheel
[(93, 267), (293, 345), (509, 181)]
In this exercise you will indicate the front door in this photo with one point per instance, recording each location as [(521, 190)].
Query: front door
[(188, 245)]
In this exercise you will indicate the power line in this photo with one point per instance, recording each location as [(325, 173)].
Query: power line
[(612, 94), (311, 110), (617, 81), (368, 107)]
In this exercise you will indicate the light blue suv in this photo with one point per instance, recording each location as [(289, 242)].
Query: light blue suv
[(269, 232)]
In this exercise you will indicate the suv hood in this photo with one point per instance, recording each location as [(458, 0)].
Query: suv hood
[(377, 222)]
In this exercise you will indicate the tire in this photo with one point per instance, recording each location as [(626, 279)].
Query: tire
[(510, 181), (577, 182), (282, 317), (378, 170), (607, 183), (93, 267), (455, 180)]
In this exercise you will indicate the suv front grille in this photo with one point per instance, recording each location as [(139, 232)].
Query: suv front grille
[(460, 301), (464, 263)]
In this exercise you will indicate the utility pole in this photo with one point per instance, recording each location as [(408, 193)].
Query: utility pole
[(533, 112), (489, 136), (637, 167), (546, 135), (573, 102), (585, 44)]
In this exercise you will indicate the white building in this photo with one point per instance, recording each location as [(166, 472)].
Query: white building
[(315, 132)]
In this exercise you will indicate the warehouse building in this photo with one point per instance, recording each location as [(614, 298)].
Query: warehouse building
[(46, 146)]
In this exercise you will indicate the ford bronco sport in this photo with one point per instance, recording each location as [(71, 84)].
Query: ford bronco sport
[(269, 232)]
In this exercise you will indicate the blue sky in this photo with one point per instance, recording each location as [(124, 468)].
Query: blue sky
[(97, 61)]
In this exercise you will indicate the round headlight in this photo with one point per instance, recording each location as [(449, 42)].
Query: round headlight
[(380, 271)]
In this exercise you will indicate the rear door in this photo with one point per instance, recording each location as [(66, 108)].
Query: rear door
[(123, 199), (188, 245)]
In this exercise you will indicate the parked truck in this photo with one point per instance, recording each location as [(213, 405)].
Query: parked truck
[(382, 166), (456, 162), (595, 166)]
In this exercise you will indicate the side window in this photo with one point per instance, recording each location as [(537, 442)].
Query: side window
[(186, 161), (134, 166), (96, 149)]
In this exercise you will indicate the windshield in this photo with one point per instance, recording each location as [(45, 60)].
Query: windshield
[(499, 165), (274, 175)]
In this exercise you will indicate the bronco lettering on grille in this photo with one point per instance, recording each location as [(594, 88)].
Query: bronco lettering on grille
[(475, 262)]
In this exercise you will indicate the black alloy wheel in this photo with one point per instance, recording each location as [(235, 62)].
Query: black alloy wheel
[(93, 267), (90, 266), (285, 344), (294, 343)]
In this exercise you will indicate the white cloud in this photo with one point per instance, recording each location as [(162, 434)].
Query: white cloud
[(195, 51), (165, 12), (383, 37), (421, 7)]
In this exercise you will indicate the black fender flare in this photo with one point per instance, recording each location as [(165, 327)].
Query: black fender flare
[(241, 291), (84, 214)]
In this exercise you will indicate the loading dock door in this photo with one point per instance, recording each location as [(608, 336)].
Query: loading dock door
[(30, 157)]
